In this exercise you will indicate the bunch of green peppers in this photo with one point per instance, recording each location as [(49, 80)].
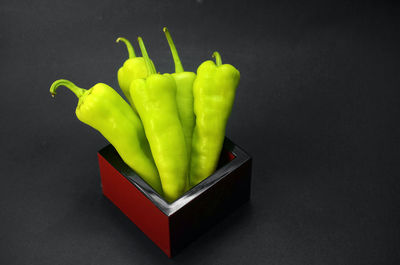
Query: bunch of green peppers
[(172, 131)]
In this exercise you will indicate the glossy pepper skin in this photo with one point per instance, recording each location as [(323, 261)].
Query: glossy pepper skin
[(214, 92), (154, 98), (102, 108), (184, 94), (133, 68)]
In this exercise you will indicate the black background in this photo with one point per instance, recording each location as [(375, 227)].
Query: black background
[(317, 108)]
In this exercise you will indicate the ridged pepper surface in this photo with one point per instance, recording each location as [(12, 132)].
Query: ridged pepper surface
[(214, 93), (155, 101)]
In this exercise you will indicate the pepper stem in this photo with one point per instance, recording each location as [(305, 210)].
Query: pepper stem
[(129, 46), (150, 67), (217, 56), (62, 82), (174, 52)]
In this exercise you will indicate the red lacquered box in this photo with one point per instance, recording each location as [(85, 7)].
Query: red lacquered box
[(172, 226)]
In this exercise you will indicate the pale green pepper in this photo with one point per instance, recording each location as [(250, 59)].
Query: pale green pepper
[(184, 94), (133, 68), (155, 101), (214, 92), (102, 108)]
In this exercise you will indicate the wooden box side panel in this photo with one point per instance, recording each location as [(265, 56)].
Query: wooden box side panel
[(135, 205), (210, 207)]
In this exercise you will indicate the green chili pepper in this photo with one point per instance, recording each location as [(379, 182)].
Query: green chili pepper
[(155, 100), (102, 108), (133, 68), (214, 93), (184, 94)]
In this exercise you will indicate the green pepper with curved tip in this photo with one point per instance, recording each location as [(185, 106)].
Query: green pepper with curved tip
[(184, 94), (155, 101), (132, 69), (102, 108), (214, 92)]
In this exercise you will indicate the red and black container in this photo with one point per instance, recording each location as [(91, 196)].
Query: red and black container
[(172, 226)]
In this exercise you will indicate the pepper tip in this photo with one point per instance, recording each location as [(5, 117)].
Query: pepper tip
[(165, 29)]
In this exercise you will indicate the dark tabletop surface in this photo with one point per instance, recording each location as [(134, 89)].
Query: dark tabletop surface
[(317, 108)]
